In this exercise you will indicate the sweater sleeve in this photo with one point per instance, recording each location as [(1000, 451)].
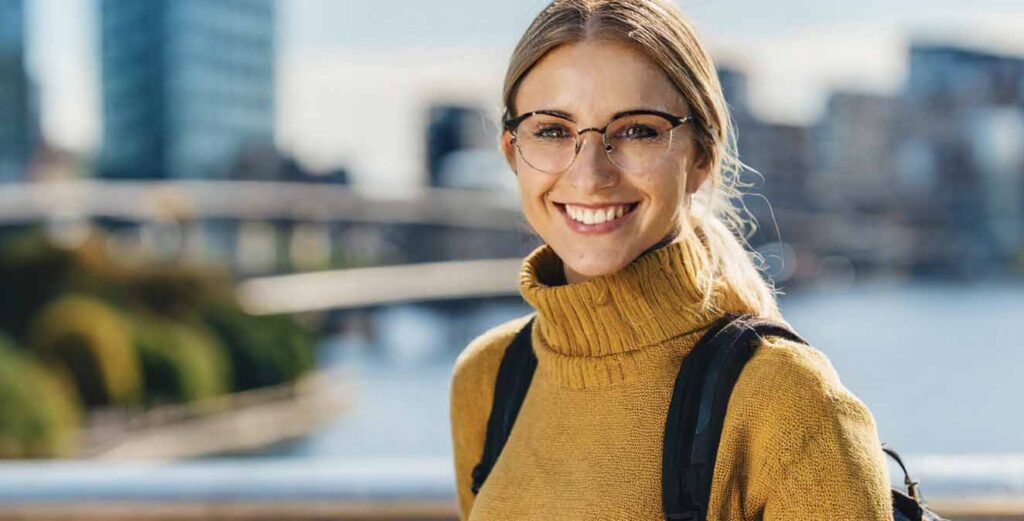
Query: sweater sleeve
[(823, 458), (839, 471), (470, 397)]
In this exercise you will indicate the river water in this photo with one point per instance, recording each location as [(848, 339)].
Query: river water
[(940, 366)]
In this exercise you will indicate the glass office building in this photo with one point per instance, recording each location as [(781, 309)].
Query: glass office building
[(959, 153), (16, 114), (186, 85)]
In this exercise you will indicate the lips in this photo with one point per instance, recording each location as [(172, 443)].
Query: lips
[(596, 218)]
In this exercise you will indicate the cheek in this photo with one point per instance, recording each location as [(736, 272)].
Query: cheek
[(531, 186), (665, 187), (532, 190)]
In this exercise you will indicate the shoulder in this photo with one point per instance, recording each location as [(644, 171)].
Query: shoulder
[(789, 402), (798, 370), (471, 394), (793, 363), (791, 394), (796, 417), (472, 385), (476, 367)]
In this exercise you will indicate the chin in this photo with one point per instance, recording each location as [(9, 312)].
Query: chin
[(595, 271), (598, 267)]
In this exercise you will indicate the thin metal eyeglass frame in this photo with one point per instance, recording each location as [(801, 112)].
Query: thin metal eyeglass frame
[(512, 125)]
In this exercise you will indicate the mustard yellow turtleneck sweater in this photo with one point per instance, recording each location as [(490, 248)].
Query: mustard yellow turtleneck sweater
[(587, 444)]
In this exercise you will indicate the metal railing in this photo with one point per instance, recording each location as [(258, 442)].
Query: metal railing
[(254, 200), (362, 287)]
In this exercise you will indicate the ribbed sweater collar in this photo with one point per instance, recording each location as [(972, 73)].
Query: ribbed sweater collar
[(597, 332)]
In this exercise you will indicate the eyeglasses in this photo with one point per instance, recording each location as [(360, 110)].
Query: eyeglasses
[(635, 141)]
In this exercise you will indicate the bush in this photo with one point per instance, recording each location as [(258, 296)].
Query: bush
[(263, 350), (32, 272), (39, 415), (92, 341), (177, 291), (297, 342), (180, 363), (63, 303)]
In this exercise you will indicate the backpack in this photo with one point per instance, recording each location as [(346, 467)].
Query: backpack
[(696, 414)]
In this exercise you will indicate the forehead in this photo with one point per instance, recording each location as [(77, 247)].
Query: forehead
[(594, 79)]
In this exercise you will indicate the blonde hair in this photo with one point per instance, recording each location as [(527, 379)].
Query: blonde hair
[(718, 232)]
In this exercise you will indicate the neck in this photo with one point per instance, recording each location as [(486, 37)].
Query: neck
[(593, 332), (572, 277)]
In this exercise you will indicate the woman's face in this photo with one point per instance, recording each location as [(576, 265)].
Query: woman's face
[(589, 82)]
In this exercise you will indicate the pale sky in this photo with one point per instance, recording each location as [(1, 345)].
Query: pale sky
[(339, 58)]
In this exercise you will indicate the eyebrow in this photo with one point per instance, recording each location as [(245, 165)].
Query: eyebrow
[(568, 115), (553, 112)]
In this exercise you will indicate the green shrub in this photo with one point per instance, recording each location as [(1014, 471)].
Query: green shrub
[(297, 342), (63, 303), (39, 415), (180, 363), (263, 350), (34, 271), (94, 343), (178, 291)]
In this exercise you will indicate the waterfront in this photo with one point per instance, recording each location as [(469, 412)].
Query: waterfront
[(938, 365)]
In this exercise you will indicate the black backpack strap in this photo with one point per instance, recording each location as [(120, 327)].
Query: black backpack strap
[(510, 387), (696, 414)]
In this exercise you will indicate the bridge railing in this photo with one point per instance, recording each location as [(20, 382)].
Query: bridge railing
[(339, 488)]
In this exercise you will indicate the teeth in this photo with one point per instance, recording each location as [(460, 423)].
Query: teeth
[(591, 216)]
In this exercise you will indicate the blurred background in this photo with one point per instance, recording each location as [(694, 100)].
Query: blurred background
[(243, 241)]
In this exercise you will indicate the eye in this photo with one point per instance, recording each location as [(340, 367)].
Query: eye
[(639, 131), (551, 132)]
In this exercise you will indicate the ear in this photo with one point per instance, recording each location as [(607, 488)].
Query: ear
[(698, 174), (508, 149)]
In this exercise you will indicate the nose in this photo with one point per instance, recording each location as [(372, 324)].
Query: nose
[(592, 170)]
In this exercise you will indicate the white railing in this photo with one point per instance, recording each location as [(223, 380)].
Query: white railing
[(362, 287), (323, 488), (254, 200)]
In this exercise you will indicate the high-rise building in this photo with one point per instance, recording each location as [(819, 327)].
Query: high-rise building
[(734, 86), (17, 121), (962, 76), (186, 85), (854, 147), (997, 148), (462, 149), (782, 154), (953, 96)]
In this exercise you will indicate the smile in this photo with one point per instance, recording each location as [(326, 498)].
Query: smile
[(596, 219)]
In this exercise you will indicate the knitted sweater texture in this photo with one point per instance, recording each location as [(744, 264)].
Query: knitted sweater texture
[(587, 444)]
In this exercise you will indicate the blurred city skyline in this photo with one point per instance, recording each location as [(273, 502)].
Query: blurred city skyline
[(224, 163), (334, 57), (892, 142)]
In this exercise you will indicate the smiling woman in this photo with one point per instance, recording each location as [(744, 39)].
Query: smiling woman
[(617, 130), (639, 158)]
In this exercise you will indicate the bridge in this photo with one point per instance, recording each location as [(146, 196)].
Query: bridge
[(365, 287), (261, 228), (225, 221), (254, 200)]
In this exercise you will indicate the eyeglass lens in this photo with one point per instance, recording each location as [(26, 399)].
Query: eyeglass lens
[(634, 143)]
